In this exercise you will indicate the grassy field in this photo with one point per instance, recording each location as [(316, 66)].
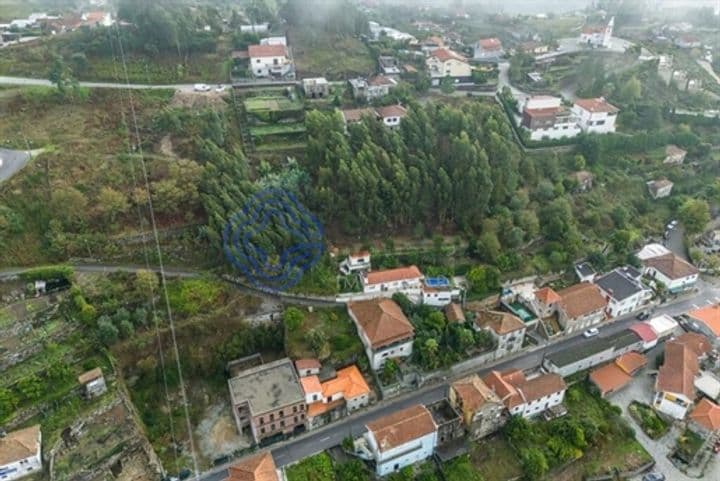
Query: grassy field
[(34, 60), (278, 129), (270, 104), (317, 54), (342, 342), (495, 459), (12, 9)]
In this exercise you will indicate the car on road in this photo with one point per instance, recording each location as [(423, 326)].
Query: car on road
[(592, 332), (201, 88), (672, 225), (653, 477), (220, 88), (643, 315)]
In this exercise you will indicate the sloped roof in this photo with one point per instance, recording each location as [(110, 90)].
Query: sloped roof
[(19, 445), (445, 54), (490, 43), (609, 378), (541, 386), (547, 296), (581, 299), (631, 361), (311, 384), (382, 320), (302, 364), (697, 343), (672, 266), (597, 105), (401, 427), (354, 115), (454, 312), (380, 80), (349, 381), (277, 50), (677, 374), (474, 393), (707, 415), (507, 393), (645, 331), (391, 111), (500, 322), (260, 467), (392, 275), (708, 315), (90, 375)]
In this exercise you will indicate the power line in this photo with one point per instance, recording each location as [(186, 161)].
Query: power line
[(141, 220), (163, 279)]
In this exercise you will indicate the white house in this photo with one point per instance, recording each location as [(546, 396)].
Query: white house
[(270, 60), (439, 292), (488, 50), (663, 326), (383, 329), (391, 115), (623, 290), (598, 36), (20, 453), (359, 261), (401, 439), (386, 282), (506, 329), (675, 381), (595, 115), (527, 397), (94, 382), (660, 188), (97, 19), (443, 62), (274, 41), (545, 117), (676, 274), (255, 28)]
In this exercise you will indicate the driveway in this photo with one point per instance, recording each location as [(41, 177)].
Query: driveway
[(642, 389), (11, 161)]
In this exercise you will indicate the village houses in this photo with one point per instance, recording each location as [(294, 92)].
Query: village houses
[(258, 467), (481, 409), (623, 290), (442, 63), (595, 116), (660, 188), (488, 50), (506, 329), (527, 397), (383, 329), (270, 61)]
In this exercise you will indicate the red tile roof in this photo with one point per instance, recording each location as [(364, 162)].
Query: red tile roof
[(382, 320), (401, 427), (697, 343), (349, 381), (672, 266), (19, 445), (444, 54), (267, 51), (609, 378), (490, 43), (391, 111), (310, 385), (260, 467), (500, 322), (597, 105), (547, 296), (677, 374), (631, 362), (707, 415), (473, 392), (393, 275), (644, 331), (546, 112), (454, 312), (581, 299), (379, 80), (708, 315), (302, 364)]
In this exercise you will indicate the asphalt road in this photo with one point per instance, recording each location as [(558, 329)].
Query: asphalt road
[(11, 161), (305, 445), (110, 85)]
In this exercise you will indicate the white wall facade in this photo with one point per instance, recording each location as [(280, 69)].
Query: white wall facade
[(673, 285), (401, 285), (357, 402), (672, 404), (404, 455), (595, 122), (558, 131), (378, 357), (264, 66), (21, 468), (581, 322), (618, 308), (391, 122)]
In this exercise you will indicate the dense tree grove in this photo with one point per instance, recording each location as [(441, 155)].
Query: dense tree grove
[(445, 166)]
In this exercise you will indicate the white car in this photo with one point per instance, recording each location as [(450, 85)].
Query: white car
[(672, 225), (592, 332), (202, 88), (220, 88)]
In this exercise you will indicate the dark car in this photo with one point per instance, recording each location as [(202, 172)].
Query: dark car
[(643, 315), (654, 477)]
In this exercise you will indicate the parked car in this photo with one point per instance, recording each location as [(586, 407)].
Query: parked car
[(592, 332), (672, 224), (643, 315), (653, 477), (220, 88), (201, 88)]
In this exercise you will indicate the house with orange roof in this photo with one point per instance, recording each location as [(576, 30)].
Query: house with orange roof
[(675, 381), (527, 397), (388, 281), (335, 397), (307, 367), (488, 50), (445, 63), (258, 467), (705, 418), (581, 306), (20, 453), (546, 300), (707, 321), (356, 262), (270, 61), (676, 274), (400, 439), (383, 328), (481, 409), (507, 330), (615, 375)]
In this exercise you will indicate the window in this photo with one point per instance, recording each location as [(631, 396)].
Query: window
[(272, 417), (262, 430), (257, 61), (302, 416), (282, 423), (282, 413), (296, 419), (294, 409), (272, 427), (261, 420)]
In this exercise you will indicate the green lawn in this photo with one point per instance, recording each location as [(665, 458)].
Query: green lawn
[(318, 53), (495, 459), (277, 129), (271, 104), (339, 331)]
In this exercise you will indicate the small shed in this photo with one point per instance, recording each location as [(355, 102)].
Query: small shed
[(93, 382)]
